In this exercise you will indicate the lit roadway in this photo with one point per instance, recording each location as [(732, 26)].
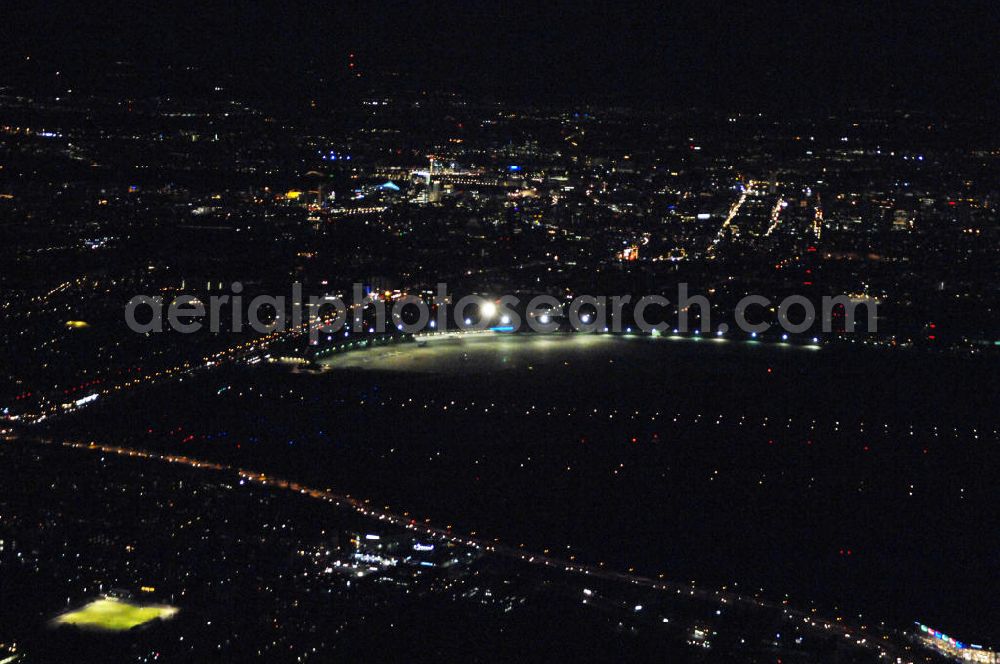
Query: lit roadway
[(876, 641), (775, 216), (733, 211), (231, 354)]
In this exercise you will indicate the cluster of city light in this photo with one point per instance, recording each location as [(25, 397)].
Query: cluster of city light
[(817, 225), (951, 647)]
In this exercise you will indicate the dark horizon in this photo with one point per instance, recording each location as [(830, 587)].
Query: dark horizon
[(800, 57)]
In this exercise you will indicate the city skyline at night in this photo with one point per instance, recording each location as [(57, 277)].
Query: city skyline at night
[(520, 332)]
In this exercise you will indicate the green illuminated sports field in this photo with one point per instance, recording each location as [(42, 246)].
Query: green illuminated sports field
[(114, 615)]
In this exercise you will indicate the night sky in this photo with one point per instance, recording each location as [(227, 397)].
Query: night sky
[(796, 55)]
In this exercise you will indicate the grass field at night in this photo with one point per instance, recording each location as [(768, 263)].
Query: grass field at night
[(114, 615)]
